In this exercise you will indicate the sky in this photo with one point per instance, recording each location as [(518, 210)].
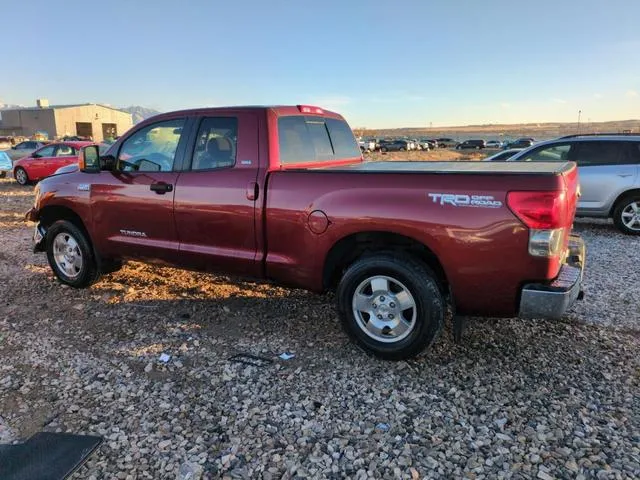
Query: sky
[(380, 63)]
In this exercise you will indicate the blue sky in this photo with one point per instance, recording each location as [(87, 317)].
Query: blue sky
[(380, 63)]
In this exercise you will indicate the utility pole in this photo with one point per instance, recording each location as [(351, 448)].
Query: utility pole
[(579, 114)]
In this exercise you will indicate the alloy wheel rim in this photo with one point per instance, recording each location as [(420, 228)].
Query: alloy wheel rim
[(631, 216), (67, 255), (384, 309)]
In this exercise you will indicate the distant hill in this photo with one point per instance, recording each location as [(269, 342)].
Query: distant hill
[(140, 113)]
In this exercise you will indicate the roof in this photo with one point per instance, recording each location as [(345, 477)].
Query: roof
[(58, 107)]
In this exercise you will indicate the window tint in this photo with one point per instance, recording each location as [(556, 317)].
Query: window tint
[(631, 153), (65, 151), (46, 151), (598, 153), (216, 143), (551, 153), (152, 149), (342, 138), (306, 139)]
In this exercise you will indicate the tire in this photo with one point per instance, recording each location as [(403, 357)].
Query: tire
[(394, 275), (3, 174), (402, 149), (383, 149), (626, 215), (21, 176), (65, 244)]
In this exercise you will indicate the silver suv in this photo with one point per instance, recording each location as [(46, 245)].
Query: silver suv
[(608, 166)]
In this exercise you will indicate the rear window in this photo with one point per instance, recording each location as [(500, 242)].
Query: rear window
[(307, 139)]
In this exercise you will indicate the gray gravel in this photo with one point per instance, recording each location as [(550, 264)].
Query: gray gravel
[(519, 399)]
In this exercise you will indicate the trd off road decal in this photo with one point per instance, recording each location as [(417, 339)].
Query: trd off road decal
[(461, 200)]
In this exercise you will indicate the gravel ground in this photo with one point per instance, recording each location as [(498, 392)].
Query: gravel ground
[(518, 399)]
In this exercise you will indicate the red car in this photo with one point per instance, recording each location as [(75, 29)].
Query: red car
[(46, 160), (283, 194)]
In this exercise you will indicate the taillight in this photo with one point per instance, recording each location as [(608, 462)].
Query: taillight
[(540, 210), (548, 217)]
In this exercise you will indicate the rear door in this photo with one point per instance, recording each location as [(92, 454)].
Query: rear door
[(606, 169), (132, 205), (64, 155), (216, 195)]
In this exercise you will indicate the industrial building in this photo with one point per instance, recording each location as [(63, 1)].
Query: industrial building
[(86, 120)]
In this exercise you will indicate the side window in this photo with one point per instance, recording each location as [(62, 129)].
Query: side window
[(551, 153), (46, 151), (631, 153), (151, 149), (65, 151), (216, 143), (598, 153)]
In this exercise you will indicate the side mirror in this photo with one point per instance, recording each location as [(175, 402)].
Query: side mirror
[(89, 159), (35, 155)]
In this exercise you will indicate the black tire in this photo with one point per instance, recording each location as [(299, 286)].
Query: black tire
[(622, 205), (383, 149), (87, 273), (21, 176), (402, 149), (422, 285), (3, 174)]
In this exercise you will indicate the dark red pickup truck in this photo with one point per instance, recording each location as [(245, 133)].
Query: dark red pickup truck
[(282, 193)]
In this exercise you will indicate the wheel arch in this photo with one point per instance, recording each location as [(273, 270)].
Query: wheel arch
[(621, 197), (351, 247)]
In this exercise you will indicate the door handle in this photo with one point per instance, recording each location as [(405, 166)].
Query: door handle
[(252, 191), (161, 188)]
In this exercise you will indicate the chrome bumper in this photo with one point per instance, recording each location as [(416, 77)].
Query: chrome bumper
[(553, 299)]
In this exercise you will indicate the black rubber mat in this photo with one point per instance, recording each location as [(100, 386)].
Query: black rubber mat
[(46, 456)]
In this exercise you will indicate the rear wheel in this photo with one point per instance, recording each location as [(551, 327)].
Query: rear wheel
[(21, 176), (3, 174), (391, 305), (70, 255), (626, 215)]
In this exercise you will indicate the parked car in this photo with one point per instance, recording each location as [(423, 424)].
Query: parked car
[(520, 143), (45, 161), (609, 168), (446, 142), (502, 156), (312, 218), (394, 146), (367, 145), (5, 143), (477, 144), (23, 149), (5, 164), (424, 144), (494, 144)]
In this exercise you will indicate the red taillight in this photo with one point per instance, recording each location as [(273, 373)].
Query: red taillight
[(310, 109), (540, 210)]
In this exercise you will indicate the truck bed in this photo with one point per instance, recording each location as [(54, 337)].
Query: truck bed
[(471, 167)]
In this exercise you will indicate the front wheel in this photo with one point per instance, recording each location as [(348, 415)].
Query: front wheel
[(626, 215), (21, 176), (3, 174), (391, 305), (70, 255)]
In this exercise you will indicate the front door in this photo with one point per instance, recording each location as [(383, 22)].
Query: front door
[(40, 161), (133, 204), (216, 195)]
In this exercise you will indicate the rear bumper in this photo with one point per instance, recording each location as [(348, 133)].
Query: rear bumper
[(553, 299)]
